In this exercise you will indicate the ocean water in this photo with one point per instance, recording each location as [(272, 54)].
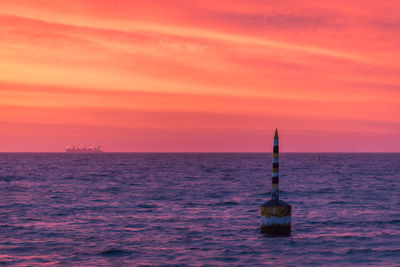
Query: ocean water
[(127, 209)]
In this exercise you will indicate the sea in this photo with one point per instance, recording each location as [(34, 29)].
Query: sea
[(197, 209)]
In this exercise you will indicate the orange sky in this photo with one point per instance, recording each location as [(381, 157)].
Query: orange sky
[(200, 75)]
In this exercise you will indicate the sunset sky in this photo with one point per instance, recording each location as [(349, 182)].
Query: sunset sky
[(199, 75)]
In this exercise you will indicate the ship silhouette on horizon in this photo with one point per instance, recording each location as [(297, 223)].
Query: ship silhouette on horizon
[(84, 149)]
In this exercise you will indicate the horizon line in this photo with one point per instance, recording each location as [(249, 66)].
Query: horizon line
[(206, 152)]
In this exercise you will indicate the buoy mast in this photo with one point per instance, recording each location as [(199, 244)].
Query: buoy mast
[(275, 168)]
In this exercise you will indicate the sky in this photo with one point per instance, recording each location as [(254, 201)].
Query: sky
[(200, 75)]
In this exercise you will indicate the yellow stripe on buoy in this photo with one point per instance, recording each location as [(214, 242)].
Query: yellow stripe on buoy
[(277, 211)]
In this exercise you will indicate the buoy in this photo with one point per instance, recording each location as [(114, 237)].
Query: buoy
[(275, 214)]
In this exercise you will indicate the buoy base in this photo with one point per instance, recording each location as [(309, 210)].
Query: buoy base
[(275, 218), (276, 229)]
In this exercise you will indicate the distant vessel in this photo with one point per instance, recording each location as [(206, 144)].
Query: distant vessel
[(79, 149)]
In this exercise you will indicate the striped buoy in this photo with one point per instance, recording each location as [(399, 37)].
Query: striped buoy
[(275, 214)]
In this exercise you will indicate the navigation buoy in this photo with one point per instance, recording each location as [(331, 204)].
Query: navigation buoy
[(275, 214)]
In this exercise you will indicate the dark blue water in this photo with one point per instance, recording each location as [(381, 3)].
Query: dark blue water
[(197, 209)]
